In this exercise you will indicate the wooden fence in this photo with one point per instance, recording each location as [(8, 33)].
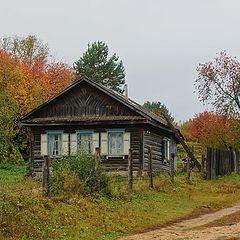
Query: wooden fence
[(220, 162), (150, 171)]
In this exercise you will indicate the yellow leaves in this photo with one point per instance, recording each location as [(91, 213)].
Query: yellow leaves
[(30, 84)]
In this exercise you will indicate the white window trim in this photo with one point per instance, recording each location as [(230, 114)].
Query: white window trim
[(54, 132)]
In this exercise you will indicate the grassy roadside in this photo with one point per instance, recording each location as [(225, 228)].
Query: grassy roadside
[(25, 214)]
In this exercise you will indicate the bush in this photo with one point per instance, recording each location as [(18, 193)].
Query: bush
[(9, 153), (76, 174)]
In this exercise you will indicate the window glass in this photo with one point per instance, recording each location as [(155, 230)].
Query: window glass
[(115, 143), (85, 142), (54, 144), (166, 150)]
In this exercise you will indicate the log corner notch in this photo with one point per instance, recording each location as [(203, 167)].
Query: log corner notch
[(181, 140)]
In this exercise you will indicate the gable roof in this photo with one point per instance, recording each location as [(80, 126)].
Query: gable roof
[(120, 98)]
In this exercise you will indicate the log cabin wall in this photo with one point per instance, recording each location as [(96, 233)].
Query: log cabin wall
[(110, 164), (153, 140)]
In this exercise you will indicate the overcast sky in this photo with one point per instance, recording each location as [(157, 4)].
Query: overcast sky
[(160, 42)]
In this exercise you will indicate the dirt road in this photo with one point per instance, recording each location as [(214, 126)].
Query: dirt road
[(185, 230)]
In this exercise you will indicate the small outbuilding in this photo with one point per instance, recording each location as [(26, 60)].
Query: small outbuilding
[(87, 115)]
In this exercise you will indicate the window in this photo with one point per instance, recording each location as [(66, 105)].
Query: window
[(115, 143), (54, 144), (84, 140), (166, 150)]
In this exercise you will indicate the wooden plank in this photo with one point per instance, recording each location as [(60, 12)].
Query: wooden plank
[(171, 167), (130, 172), (46, 178), (150, 172)]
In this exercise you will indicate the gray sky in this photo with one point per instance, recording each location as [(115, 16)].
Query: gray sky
[(160, 42)]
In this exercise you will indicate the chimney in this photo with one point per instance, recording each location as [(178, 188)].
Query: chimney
[(125, 91)]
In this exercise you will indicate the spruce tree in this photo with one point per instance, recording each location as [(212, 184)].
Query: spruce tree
[(96, 65)]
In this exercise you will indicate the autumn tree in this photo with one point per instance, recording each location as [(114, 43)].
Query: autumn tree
[(28, 48), (185, 128), (214, 130), (97, 65), (25, 85), (9, 152), (157, 107), (31, 84), (218, 82)]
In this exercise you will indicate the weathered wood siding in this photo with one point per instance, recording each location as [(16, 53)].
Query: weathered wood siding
[(153, 140), (119, 164), (37, 160), (84, 101), (111, 164), (220, 162)]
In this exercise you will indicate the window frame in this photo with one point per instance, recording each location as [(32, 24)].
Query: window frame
[(166, 148), (87, 131), (55, 132), (115, 130)]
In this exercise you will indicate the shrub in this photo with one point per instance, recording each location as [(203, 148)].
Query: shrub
[(76, 174), (72, 185)]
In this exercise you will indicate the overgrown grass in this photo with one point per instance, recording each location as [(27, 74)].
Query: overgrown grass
[(25, 214), (12, 173)]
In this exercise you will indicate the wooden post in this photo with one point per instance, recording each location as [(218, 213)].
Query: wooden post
[(171, 166), (130, 171), (208, 164), (213, 166), (31, 154), (238, 160), (97, 166), (188, 168), (150, 174), (45, 180), (141, 154), (203, 166), (235, 161)]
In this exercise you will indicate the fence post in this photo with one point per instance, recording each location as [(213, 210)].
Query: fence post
[(150, 174), (238, 160), (188, 168), (235, 161), (171, 166), (130, 171), (203, 166), (213, 165), (45, 179), (31, 159), (97, 165)]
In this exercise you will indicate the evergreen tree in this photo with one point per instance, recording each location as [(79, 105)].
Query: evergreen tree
[(157, 107), (96, 65)]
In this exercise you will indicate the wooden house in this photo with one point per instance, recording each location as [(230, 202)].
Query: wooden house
[(88, 115)]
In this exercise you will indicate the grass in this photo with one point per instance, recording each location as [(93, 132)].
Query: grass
[(10, 174), (25, 214)]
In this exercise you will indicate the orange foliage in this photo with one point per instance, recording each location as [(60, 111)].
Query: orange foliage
[(31, 84), (185, 129), (213, 130)]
